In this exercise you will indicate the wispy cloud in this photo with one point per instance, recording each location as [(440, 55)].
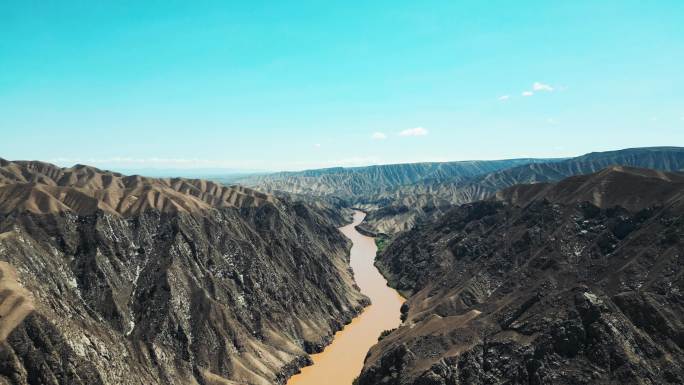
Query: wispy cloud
[(378, 136), (317, 145), (541, 87), (417, 131), (536, 88)]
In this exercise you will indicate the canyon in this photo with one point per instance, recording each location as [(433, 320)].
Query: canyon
[(524, 271), (343, 360)]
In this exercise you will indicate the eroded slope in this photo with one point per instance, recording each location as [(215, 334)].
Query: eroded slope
[(578, 282), (402, 207), (166, 281)]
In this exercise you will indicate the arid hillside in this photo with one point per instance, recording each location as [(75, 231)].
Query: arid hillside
[(165, 281), (396, 197), (575, 282)]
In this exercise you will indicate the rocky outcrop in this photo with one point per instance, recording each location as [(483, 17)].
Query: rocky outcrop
[(578, 282), (200, 284)]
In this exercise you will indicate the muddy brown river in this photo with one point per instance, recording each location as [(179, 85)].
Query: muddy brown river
[(342, 360)]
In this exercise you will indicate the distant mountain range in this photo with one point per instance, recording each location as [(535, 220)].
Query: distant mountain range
[(357, 183), (574, 282), (396, 196)]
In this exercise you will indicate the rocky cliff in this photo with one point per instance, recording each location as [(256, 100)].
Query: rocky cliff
[(577, 282), (166, 281)]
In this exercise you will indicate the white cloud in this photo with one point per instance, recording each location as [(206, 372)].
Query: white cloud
[(527, 93), (537, 86), (504, 97), (417, 131), (317, 145), (378, 136)]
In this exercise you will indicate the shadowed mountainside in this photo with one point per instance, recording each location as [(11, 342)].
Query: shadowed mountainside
[(166, 281), (577, 282)]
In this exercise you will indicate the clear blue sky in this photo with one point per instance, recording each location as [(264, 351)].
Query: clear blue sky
[(296, 84)]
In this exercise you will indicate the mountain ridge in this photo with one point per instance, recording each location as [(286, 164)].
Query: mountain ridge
[(201, 284), (439, 197), (416, 192), (45, 188), (573, 282), (354, 181)]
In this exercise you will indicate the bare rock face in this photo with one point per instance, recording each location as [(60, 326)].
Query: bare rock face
[(166, 281), (578, 282)]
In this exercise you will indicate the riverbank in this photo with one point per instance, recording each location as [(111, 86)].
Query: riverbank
[(342, 360)]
